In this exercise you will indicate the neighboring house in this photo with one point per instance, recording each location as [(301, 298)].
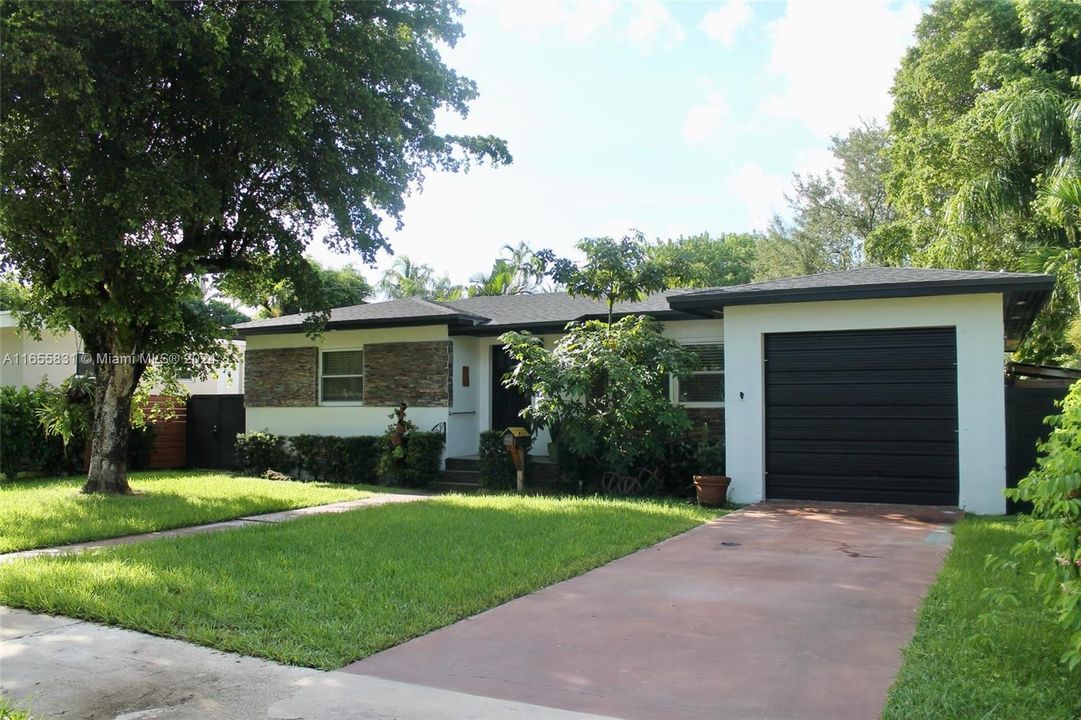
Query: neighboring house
[(56, 357), (873, 385)]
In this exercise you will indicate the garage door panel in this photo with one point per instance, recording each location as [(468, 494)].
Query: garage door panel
[(891, 464), (903, 339), (900, 413), (944, 446), (885, 393), (860, 489), (844, 378), (865, 416), (886, 359), (864, 429)]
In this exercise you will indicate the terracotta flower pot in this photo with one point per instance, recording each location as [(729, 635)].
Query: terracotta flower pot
[(711, 489)]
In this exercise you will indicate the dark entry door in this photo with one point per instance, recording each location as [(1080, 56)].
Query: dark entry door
[(506, 402), (862, 416), (213, 424)]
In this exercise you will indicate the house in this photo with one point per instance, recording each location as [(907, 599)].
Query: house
[(58, 356), (870, 385)]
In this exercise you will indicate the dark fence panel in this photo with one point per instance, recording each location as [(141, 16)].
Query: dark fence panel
[(1028, 402)]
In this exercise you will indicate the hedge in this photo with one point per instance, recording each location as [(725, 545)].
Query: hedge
[(26, 447), (355, 459), (497, 471)]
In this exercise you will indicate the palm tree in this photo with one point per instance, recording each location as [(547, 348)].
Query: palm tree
[(406, 278), (502, 279)]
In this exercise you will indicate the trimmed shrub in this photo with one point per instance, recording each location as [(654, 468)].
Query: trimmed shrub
[(311, 455), (257, 452), (497, 470), (414, 463), (24, 446), (423, 456), (354, 459), (337, 459)]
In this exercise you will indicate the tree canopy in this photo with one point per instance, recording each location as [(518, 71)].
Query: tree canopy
[(149, 144), (836, 214), (319, 288), (986, 148), (700, 261)]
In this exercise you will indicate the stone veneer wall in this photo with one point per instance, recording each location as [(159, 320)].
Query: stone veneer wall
[(417, 373), (281, 377)]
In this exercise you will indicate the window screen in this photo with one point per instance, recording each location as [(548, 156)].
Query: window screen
[(343, 376)]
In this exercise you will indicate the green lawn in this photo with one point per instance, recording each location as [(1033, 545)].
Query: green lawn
[(40, 513), (324, 591), (964, 668)]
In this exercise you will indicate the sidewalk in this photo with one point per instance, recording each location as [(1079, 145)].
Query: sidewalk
[(274, 517), (64, 668)]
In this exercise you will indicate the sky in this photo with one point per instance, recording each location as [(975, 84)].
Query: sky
[(668, 117)]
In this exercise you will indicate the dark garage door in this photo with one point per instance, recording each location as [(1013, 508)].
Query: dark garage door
[(862, 416)]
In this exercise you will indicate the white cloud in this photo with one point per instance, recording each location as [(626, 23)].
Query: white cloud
[(577, 21), (761, 193), (723, 22), (652, 26), (705, 119), (838, 60)]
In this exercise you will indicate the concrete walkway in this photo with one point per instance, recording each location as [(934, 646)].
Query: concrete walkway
[(274, 517), (63, 668), (778, 612)]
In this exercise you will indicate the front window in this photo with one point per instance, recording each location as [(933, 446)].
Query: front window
[(705, 386), (342, 376)]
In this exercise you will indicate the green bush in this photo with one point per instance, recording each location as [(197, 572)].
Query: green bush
[(337, 459), (355, 459), (257, 452), (24, 446), (1052, 552), (497, 470), (414, 463)]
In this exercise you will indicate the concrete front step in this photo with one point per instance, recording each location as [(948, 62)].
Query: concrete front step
[(468, 464)]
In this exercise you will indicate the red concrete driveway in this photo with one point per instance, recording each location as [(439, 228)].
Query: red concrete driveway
[(779, 612)]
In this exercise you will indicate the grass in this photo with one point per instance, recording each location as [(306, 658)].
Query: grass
[(41, 513), (10, 711), (324, 591), (970, 660)]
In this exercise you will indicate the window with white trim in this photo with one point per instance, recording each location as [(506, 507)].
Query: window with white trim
[(341, 376), (705, 386)]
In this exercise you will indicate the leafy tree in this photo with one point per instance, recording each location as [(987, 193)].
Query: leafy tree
[(700, 261), (605, 388), (223, 313), (13, 294), (407, 278), (986, 151), (614, 270), (315, 290), (147, 145), (836, 215)]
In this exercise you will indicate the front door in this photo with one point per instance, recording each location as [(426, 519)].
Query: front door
[(506, 402)]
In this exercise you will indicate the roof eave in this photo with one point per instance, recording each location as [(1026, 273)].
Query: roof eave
[(298, 328)]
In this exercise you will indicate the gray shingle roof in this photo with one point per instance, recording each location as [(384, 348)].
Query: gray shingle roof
[(864, 280), (483, 314)]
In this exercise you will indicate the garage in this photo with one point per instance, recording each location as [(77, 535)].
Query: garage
[(880, 385), (862, 416)]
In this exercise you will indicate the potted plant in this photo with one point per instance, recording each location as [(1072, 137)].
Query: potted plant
[(710, 482)]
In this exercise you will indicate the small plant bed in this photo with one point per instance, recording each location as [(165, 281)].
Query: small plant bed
[(971, 659), (43, 513), (324, 591)]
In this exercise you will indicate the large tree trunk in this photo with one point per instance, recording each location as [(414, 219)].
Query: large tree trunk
[(116, 384)]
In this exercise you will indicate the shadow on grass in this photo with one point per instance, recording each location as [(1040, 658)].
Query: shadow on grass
[(325, 591)]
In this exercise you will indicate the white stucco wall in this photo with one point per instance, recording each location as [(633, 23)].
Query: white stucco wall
[(463, 433), (980, 401)]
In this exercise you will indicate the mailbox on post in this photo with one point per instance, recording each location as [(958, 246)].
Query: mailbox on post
[(517, 440)]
